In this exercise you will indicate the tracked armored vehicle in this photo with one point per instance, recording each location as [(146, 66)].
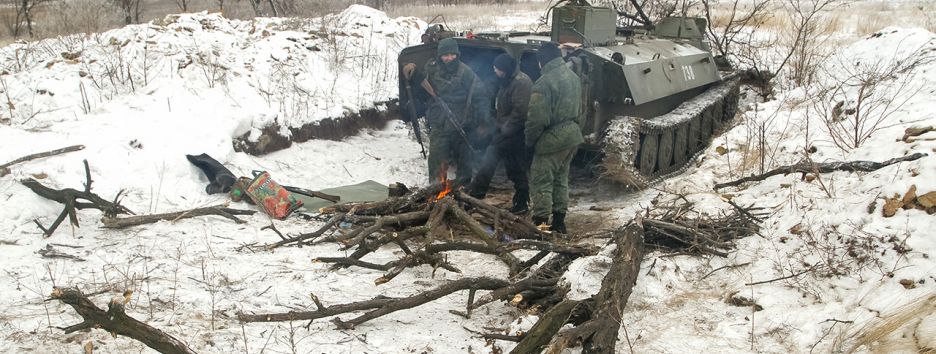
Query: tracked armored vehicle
[(652, 99)]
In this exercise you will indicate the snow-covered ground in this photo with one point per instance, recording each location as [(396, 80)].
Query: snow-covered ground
[(197, 81)]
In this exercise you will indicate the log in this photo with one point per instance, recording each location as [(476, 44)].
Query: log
[(821, 167), (583, 250), (380, 305), (348, 261), (366, 248), (399, 219), (479, 231), (4, 168), (116, 321), (312, 235), (598, 334), (610, 301), (219, 210), (523, 225), (413, 259), (546, 275), (69, 197)]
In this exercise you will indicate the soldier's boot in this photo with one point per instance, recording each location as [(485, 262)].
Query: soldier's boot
[(520, 202), (537, 220), (558, 223), (476, 192)]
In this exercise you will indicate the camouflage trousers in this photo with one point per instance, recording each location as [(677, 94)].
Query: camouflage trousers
[(549, 181), (449, 148)]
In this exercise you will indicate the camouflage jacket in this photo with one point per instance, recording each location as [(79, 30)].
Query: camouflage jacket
[(454, 87), (512, 105), (555, 118)]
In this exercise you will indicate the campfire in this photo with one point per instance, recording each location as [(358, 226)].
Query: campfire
[(444, 182)]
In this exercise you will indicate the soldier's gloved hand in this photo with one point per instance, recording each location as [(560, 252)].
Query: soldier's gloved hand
[(408, 70)]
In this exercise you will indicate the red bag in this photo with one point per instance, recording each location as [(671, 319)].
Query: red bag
[(275, 200)]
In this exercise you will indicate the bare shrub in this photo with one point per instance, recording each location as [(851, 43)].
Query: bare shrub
[(733, 27), (824, 251), (808, 37), (929, 19), (110, 73), (646, 13), (335, 40), (210, 67), (81, 16), (8, 102), (859, 99)]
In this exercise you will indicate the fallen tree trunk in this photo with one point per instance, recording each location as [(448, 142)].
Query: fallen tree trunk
[(4, 168), (599, 333), (380, 305), (805, 167), (219, 210), (116, 321), (69, 197)]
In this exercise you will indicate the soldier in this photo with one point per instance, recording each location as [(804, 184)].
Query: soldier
[(511, 106), (553, 131), (451, 83)]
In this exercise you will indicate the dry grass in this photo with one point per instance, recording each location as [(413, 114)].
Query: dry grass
[(523, 15), (859, 18), (865, 18), (891, 332), (721, 14)]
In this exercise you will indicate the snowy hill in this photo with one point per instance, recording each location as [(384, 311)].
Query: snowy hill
[(830, 270)]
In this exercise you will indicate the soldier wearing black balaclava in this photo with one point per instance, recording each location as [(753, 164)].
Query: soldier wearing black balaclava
[(511, 106), (457, 86)]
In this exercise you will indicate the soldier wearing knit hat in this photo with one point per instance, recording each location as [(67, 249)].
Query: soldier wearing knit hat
[(511, 106), (455, 84)]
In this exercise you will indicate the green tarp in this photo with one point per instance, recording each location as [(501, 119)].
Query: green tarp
[(366, 191)]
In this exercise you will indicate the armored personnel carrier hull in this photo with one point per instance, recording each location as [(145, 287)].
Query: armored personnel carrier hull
[(651, 101)]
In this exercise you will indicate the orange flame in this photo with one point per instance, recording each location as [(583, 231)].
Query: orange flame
[(443, 180)]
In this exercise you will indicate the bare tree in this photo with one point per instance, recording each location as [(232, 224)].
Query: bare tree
[(12, 20), (182, 5), (21, 17), (257, 7), (725, 33), (131, 9)]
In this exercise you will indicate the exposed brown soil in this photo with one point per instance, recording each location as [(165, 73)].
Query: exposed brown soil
[(339, 128)]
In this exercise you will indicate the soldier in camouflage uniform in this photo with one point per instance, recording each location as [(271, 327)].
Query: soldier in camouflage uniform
[(513, 101), (553, 131), (455, 84)]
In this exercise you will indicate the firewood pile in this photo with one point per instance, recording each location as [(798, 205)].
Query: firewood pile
[(425, 224), (677, 226)]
